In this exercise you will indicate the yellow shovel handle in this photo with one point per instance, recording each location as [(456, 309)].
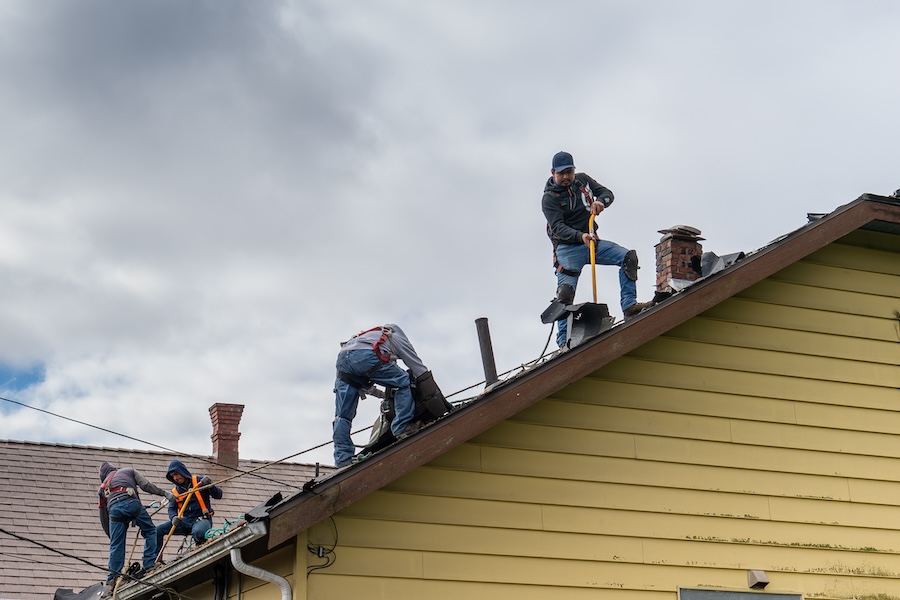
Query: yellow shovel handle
[(593, 257), (172, 529)]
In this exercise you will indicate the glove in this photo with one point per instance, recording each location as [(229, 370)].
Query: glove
[(206, 481), (177, 522), (170, 496)]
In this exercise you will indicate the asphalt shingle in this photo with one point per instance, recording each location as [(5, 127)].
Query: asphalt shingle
[(49, 495)]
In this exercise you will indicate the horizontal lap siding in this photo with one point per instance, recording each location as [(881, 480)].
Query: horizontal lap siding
[(762, 434)]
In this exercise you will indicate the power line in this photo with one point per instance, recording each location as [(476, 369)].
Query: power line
[(175, 452), (165, 590), (30, 559)]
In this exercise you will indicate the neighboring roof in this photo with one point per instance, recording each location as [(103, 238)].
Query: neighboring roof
[(329, 494), (49, 494)]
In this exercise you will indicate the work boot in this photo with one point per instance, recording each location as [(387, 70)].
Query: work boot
[(409, 430), (135, 571), (636, 308)]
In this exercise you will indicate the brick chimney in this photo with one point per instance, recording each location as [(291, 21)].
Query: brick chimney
[(225, 421), (677, 254)]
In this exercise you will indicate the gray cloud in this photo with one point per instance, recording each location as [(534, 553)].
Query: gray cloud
[(200, 200)]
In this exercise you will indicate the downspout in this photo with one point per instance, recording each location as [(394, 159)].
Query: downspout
[(258, 573)]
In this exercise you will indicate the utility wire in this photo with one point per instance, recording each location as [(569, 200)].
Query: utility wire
[(175, 452), (168, 591), (30, 559), (242, 472)]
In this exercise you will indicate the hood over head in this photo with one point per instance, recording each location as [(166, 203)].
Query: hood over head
[(105, 470), (176, 466)]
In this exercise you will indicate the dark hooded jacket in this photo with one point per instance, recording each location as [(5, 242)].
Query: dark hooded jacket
[(193, 510), (568, 209)]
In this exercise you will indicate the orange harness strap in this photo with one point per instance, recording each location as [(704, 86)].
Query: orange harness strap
[(179, 498)]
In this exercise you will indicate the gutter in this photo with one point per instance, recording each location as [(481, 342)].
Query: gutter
[(210, 553)]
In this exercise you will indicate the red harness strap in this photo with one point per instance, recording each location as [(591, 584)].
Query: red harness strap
[(385, 334), (103, 491)]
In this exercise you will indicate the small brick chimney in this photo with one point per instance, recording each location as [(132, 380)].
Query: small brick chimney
[(225, 421), (677, 253)]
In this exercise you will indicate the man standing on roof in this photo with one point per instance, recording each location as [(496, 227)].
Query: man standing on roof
[(196, 518), (569, 200), (121, 504), (371, 357)]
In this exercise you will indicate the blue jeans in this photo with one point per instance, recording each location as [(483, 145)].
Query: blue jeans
[(366, 364), (196, 528), (574, 257), (120, 514)]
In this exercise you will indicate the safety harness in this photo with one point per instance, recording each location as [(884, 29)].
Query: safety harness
[(386, 333), (361, 382), (179, 497), (587, 198), (103, 491)]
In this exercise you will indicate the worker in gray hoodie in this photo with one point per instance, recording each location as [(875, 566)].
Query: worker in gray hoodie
[(121, 504)]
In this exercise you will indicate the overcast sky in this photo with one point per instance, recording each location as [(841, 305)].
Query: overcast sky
[(200, 200)]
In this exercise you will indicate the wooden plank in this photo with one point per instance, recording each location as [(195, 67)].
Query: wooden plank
[(786, 340), (540, 483), (878, 255), (742, 310), (668, 399), (566, 418), (549, 574), (466, 456), (868, 491), (855, 514), (380, 562), (770, 559), (847, 417), (327, 586), (767, 458), (627, 537), (416, 500), (840, 278), (689, 377), (738, 530), (573, 573), (825, 439), (789, 364), (594, 494), (429, 537), (838, 301), (515, 434), (625, 420)]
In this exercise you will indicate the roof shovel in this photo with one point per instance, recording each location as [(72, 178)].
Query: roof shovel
[(593, 256), (187, 499)]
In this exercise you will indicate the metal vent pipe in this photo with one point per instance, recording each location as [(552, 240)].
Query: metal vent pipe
[(487, 351)]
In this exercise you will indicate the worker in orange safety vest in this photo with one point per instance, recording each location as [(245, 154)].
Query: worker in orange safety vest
[(196, 518)]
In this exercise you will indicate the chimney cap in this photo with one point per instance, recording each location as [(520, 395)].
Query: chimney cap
[(682, 231)]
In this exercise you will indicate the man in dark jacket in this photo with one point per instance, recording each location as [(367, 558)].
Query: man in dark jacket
[(120, 504), (569, 200), (196, 519)]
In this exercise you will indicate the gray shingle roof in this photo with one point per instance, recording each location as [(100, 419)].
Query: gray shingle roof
[(48, 493)]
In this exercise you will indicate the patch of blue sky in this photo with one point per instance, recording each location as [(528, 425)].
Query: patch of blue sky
[(16, 379)]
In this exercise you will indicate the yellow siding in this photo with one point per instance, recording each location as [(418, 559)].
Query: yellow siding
[(763, 434)]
